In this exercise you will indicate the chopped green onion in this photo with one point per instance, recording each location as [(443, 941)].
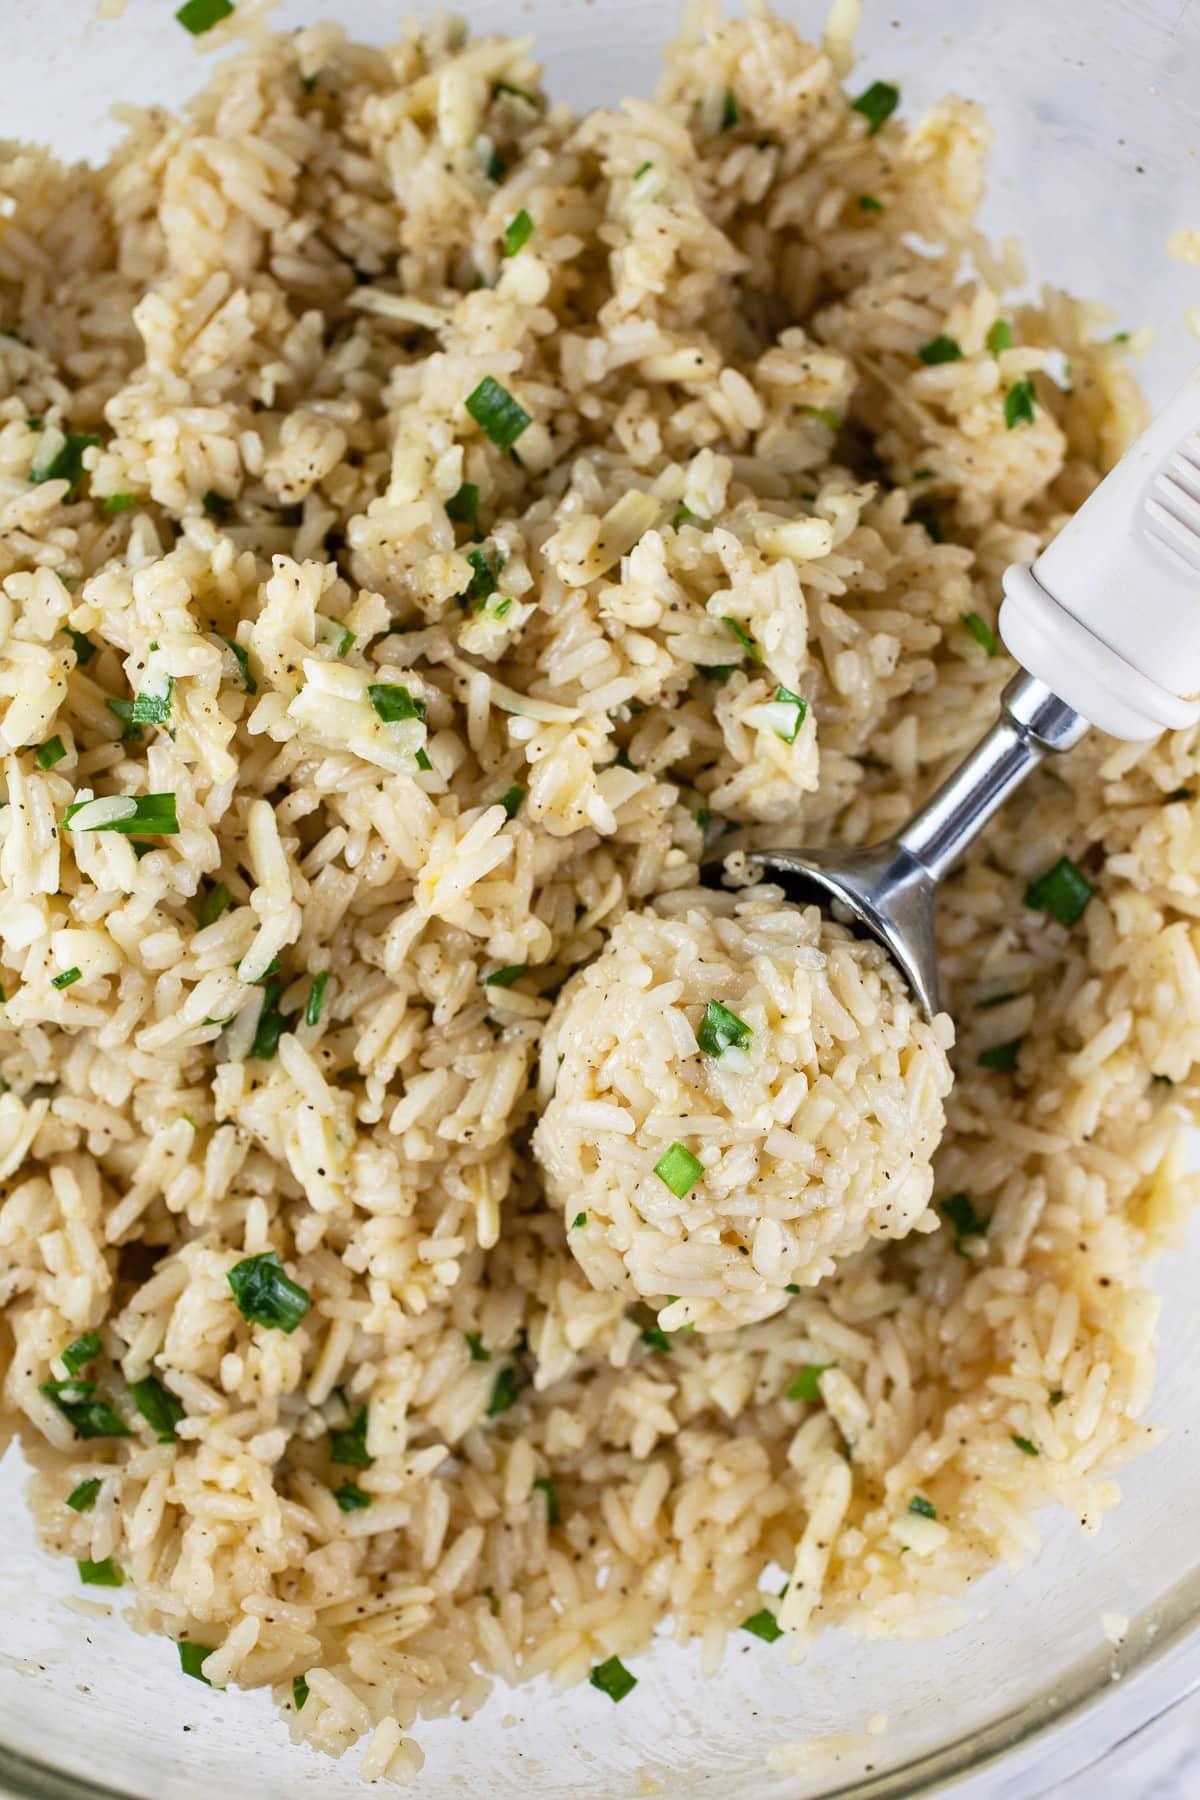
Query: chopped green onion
[(1000, 1056), (940, 349), (1120, 337), (351, 1498), (504, 1392), (731, 112), (1056, 1396), (271, 1023), (1023, 1444), (123, 710), (158, 1406), (394, 703), (153, 813), (49, 753), (217, 506), (924, 1509), (1019, 403), (100, 1574), (316, 998), (477, 1347), (1063, 891), (828, 418), (494, 165), (504, 977), (299, 1692), (764, 1625), (553, 1515), (422, 761), (84, 1350), (199, 16), (869, 204), (192, 1655), (82, 1498), (960, 1210), (511, 800), (266, 1294), (878, 103), (243, 661), (981, 631), (515, 93), (483, 581), (657, 1339), (498, 415), (642, 169), (463, 506), (743, 637), (990, 1000), (216, 901), (119, 503), (493, 1601), (791, 731), (924, 474), (683, 515), (999, 336), (91, 1418), (349, 1446), (791, 1287), (152, 705), (613, 1679), (703, 817), (67, 462), (346, 639), (67, 979), (807, 1384), (579, 1221), (84, 647), (679, 1169), (517, 233), (720, 1028), (718, 672)]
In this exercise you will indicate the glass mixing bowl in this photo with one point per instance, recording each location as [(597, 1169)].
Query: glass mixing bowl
[(1094, 104)]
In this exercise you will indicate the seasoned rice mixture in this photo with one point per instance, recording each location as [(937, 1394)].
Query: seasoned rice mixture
[(427, 521)]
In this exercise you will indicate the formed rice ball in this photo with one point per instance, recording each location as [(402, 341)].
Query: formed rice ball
[(746, 1093)]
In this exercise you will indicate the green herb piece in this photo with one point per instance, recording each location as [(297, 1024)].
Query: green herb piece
[(158, 1406), (1024, 1446), (49, 753), (878, 103), (266, 1294), (924, 474), (271, 1023), (351, 1498), (981, 631), (807, 1384), (91, 1418), (349, 1446), (763, 1624), (199, 16), (483, 582), (192, 1655), (299, 1692), (517, 233), (743, 637), (493, 1601), (827, 417), (511, 800), (613, 1679), (1056, 1396), (791, 732), (83, 1498), (940, 349), (1000, 1056), (731, 112), (119, 503), (1019, 403), (67, 979), (494, 165), (393, 703), (498, 415), (990, 1000), (345, 642), (463, 506), (67, 462), (100, 1574), (656, 1338), (216, 901), (999, 336), (791, 1287), (243, 661), (504, 977), (683, 515), (546, 1486), (475, 1344), (152, 706), (84, 647), (1119, 337), (924, 1509), (679, 1169), (504, 1392), (153, 813), (217, 506), (422, 761), (703, 817), (84, 1350), (316, 998), (959, 1209), (1063, 891), (123, 710), (718, 672), (516, 93), (642, 169), (869, 204), (579, 1221), (720, 1028), (930, 521)]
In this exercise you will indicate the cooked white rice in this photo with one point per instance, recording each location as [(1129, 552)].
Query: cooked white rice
[(281, 302)]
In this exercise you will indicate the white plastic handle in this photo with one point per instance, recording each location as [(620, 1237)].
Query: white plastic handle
[(1109, 614)]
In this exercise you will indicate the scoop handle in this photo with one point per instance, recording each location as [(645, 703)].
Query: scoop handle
[(1109, 614)]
